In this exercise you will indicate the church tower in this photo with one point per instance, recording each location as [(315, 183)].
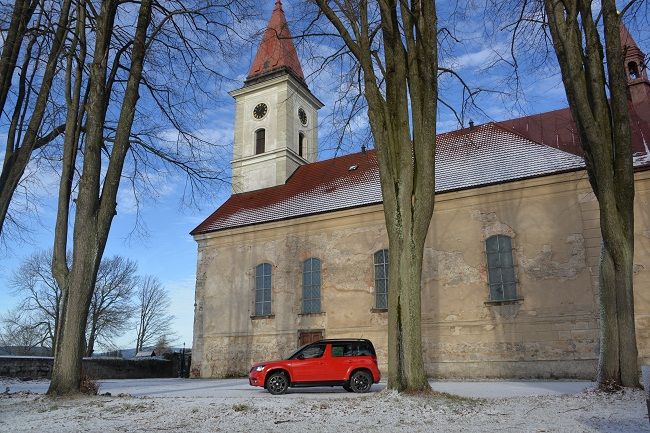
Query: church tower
[(636, 70), (276, 116)]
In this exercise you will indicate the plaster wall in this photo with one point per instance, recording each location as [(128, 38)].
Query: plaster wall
[(552, 331)]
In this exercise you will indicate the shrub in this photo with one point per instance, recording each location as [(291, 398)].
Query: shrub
[(88, 386)]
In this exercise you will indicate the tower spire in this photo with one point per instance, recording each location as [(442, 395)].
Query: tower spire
[(636, 70), (276, 52)]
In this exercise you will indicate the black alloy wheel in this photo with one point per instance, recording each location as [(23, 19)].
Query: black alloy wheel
[(277, 383), (360, 381)]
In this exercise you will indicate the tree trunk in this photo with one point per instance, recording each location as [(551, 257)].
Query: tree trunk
[(603, 125), (405, 362), (96, 206), (90, 345), (402, 105), (66, 372), (608, 360)]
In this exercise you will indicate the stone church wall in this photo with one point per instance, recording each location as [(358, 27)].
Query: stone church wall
[(552, 331)]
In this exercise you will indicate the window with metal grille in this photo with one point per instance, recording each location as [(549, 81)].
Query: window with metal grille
[(311, 286), (501, 271), (263, 289), (381, 279), (260, 137)]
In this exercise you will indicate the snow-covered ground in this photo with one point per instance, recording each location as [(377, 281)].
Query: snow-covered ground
[(177, 405), (240, 388)]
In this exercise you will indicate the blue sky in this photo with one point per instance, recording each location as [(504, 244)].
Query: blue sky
[(157, 238)]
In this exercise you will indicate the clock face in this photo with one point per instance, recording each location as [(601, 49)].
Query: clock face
[(260, 110), (302, 116)]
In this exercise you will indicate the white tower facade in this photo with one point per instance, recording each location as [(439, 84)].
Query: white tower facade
[(276, 116)]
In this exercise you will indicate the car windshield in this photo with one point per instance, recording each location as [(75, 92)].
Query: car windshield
[(313, 350), (297, 351)]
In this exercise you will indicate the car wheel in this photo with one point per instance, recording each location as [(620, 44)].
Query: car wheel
[(277, 383), (360, 381), (347, 388)]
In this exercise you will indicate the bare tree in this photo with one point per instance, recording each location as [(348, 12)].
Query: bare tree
[(395, 45), (100, 128), (40, 296), (111, 306), (21, 332), (599, 104), (585, 38), (154, 321), (31, 125), (162, 345), (39, 310)]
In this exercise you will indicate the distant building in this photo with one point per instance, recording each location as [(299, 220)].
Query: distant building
[(299, 251), (145, 353)]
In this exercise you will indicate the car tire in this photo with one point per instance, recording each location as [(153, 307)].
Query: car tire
[(277, 383), (360, 381), (347, 388)]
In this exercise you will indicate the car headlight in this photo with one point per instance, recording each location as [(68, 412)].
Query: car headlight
[(259, 368)]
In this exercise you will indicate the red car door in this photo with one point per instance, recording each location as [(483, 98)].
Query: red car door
[(308, 364), (339, 361)]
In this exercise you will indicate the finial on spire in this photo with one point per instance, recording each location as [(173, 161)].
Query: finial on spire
[(278, 3)]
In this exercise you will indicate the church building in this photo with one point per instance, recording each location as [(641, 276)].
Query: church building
[(299, 251)]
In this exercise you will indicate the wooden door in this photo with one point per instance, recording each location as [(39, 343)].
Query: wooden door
[(306, 337)]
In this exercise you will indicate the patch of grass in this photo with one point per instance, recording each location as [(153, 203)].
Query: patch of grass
[(609, 386), (455, 398), (241, 407), (234, 375), (429, 393)]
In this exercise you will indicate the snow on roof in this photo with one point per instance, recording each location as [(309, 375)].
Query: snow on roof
[(469, 158)]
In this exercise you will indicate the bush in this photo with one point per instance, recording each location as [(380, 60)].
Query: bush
[(88, 386)]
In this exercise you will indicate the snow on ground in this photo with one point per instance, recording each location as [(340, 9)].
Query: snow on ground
[(227, 408), (241, 388)]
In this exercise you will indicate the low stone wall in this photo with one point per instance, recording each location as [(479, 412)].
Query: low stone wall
[(38, 367)]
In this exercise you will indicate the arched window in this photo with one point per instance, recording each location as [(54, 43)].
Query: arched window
[(263, 289), (501, 271), (633, 68), (311, 286), (260, 138), (301, 143), (381, 279)]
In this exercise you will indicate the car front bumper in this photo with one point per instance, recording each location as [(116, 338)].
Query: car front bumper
[(256, 378)]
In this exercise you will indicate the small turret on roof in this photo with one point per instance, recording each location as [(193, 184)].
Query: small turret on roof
[(276, 52), (636, 72)]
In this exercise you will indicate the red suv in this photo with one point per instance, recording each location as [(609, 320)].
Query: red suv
[(351, 364)]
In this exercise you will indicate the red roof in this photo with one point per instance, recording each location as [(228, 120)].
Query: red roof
[(630, 48), (276, 51), (468, 158), (557, 129)]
